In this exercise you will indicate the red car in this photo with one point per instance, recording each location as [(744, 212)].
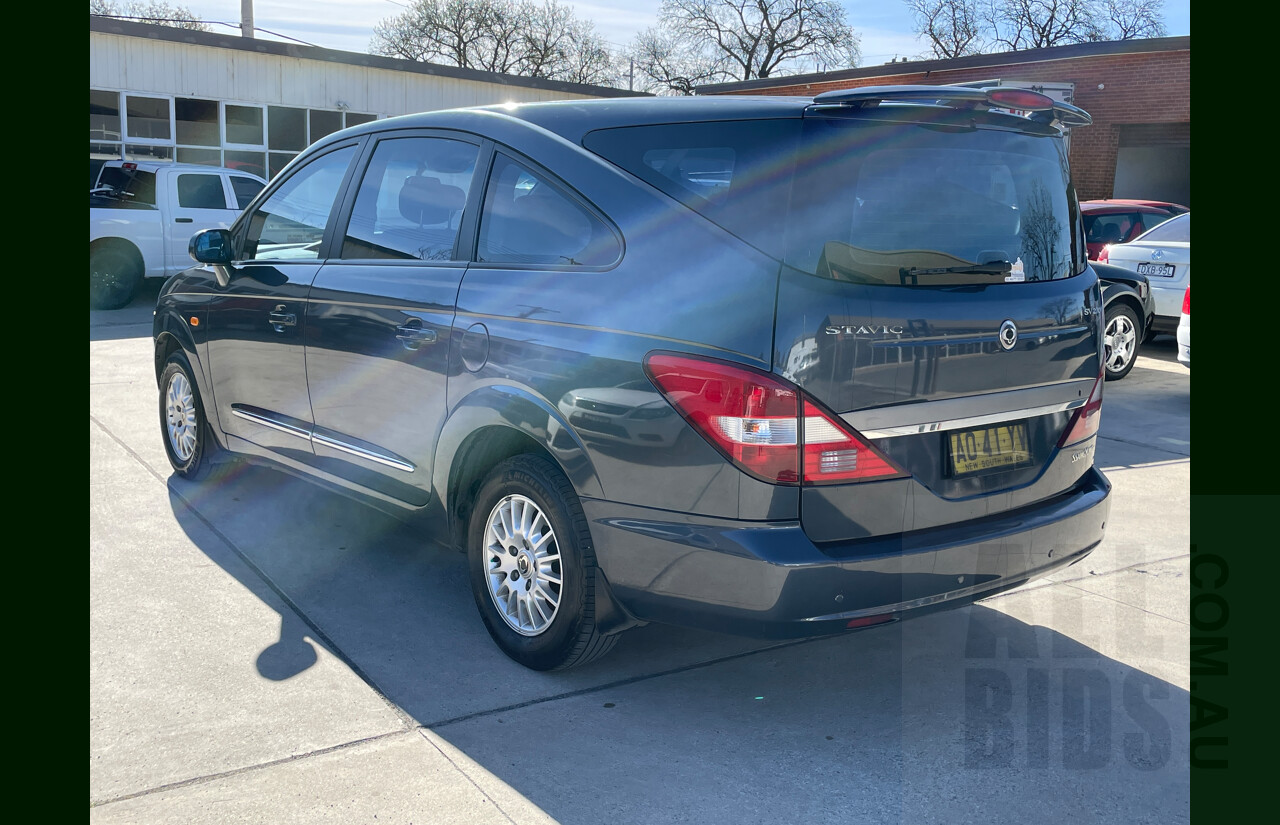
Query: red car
[(1119, 221)]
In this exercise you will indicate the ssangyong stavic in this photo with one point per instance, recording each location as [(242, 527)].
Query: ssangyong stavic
[(773, 366)]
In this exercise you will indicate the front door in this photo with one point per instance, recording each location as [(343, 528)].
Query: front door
[(256, 321), (380, 315)]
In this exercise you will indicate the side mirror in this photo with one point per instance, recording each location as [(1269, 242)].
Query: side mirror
[(211, 246)]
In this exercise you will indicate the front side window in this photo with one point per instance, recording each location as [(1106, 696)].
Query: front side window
[(201, 192), (290, 224), (529, 220), (410, 202)]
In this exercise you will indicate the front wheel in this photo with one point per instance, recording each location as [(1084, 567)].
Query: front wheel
[(533, 568), (182, 420), (1121, 337)]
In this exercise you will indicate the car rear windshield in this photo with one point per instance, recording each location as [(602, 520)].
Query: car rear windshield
[(134, 186), (1175, 230), (870, 201)]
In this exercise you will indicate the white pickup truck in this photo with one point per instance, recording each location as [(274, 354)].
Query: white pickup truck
[(143, 214)]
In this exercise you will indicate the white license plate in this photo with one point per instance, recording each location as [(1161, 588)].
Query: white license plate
[(1156, 270)]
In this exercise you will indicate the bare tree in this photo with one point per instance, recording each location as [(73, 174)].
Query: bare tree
[(1131, 19), (669, 63), (520, 38), (698, 41), (952, 27), (151, 11)]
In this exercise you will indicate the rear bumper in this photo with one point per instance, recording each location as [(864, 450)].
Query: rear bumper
[(767, 579)]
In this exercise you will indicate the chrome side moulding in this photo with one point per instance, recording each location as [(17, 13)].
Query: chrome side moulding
[(325, 440)]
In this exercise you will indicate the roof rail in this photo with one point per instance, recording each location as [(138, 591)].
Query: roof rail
[(1042, 108)]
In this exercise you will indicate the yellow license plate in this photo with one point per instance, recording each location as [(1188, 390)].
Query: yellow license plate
[(989, 448)]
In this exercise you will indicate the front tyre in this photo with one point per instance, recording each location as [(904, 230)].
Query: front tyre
[(182, 420), (533, 567), (1121, 337)]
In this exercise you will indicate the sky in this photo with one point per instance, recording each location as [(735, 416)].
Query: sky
[(885, 25)]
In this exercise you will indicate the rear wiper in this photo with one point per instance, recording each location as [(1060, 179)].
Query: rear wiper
[(989, 268)]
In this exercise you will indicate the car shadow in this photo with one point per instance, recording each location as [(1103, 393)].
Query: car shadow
[(130, 321), (913, 722)]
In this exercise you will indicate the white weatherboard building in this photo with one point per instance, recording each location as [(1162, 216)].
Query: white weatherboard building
[(160, 93)]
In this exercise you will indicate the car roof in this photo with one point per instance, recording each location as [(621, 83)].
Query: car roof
[(1104, 205), (571, 119), (157, 165)]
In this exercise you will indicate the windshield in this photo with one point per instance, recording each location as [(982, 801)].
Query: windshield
[(870, 201)]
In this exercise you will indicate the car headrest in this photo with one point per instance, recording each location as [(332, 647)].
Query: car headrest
[(425, 200)]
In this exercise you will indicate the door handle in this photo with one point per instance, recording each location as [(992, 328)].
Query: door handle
[(279, 319), (415, 336), (183, 220)]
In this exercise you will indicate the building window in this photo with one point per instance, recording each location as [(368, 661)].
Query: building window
[(244, 125), (324, 123), (255, 163), (147, 152), (286, 129), (355, 119), (196, 121), (147, 118), (204, 157), (104, 115)]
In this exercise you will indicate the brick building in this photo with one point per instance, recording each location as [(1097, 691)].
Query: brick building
[(1138, 92)]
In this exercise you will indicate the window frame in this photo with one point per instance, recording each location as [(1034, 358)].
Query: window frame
[(464, 243), (240, 229)]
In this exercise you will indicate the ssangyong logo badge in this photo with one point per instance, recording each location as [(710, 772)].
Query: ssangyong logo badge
[(1008, 335)]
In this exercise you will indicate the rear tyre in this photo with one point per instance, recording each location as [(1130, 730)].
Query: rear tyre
[(533, 567), (182, 420), (1121, 337), (114, 276)]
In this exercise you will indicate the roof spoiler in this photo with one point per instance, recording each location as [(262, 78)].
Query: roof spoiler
[(1041, 108)]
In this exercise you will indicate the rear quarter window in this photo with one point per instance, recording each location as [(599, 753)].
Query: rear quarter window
[(528, 219)]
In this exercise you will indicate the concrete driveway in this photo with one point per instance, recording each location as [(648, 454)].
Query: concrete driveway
[(264, 651)]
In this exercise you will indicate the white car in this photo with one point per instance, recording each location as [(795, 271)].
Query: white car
[(1184, 331), (1163, 254)]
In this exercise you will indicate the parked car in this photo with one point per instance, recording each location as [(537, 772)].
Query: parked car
[(142, 216), (1163, 255), (1129, 308), (1184, 330), (1115, 220), (418, 310)]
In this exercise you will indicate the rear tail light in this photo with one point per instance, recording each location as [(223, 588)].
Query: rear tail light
[(1104, 254), (755, 420), (1186, 302), (1084, 421)]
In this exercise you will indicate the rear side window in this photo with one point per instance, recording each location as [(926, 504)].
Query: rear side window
[(1112, 228), (246, 190), (290, 225), (1174, 230), (411, 200), (201, 192), (135, 187), (527, 219)]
